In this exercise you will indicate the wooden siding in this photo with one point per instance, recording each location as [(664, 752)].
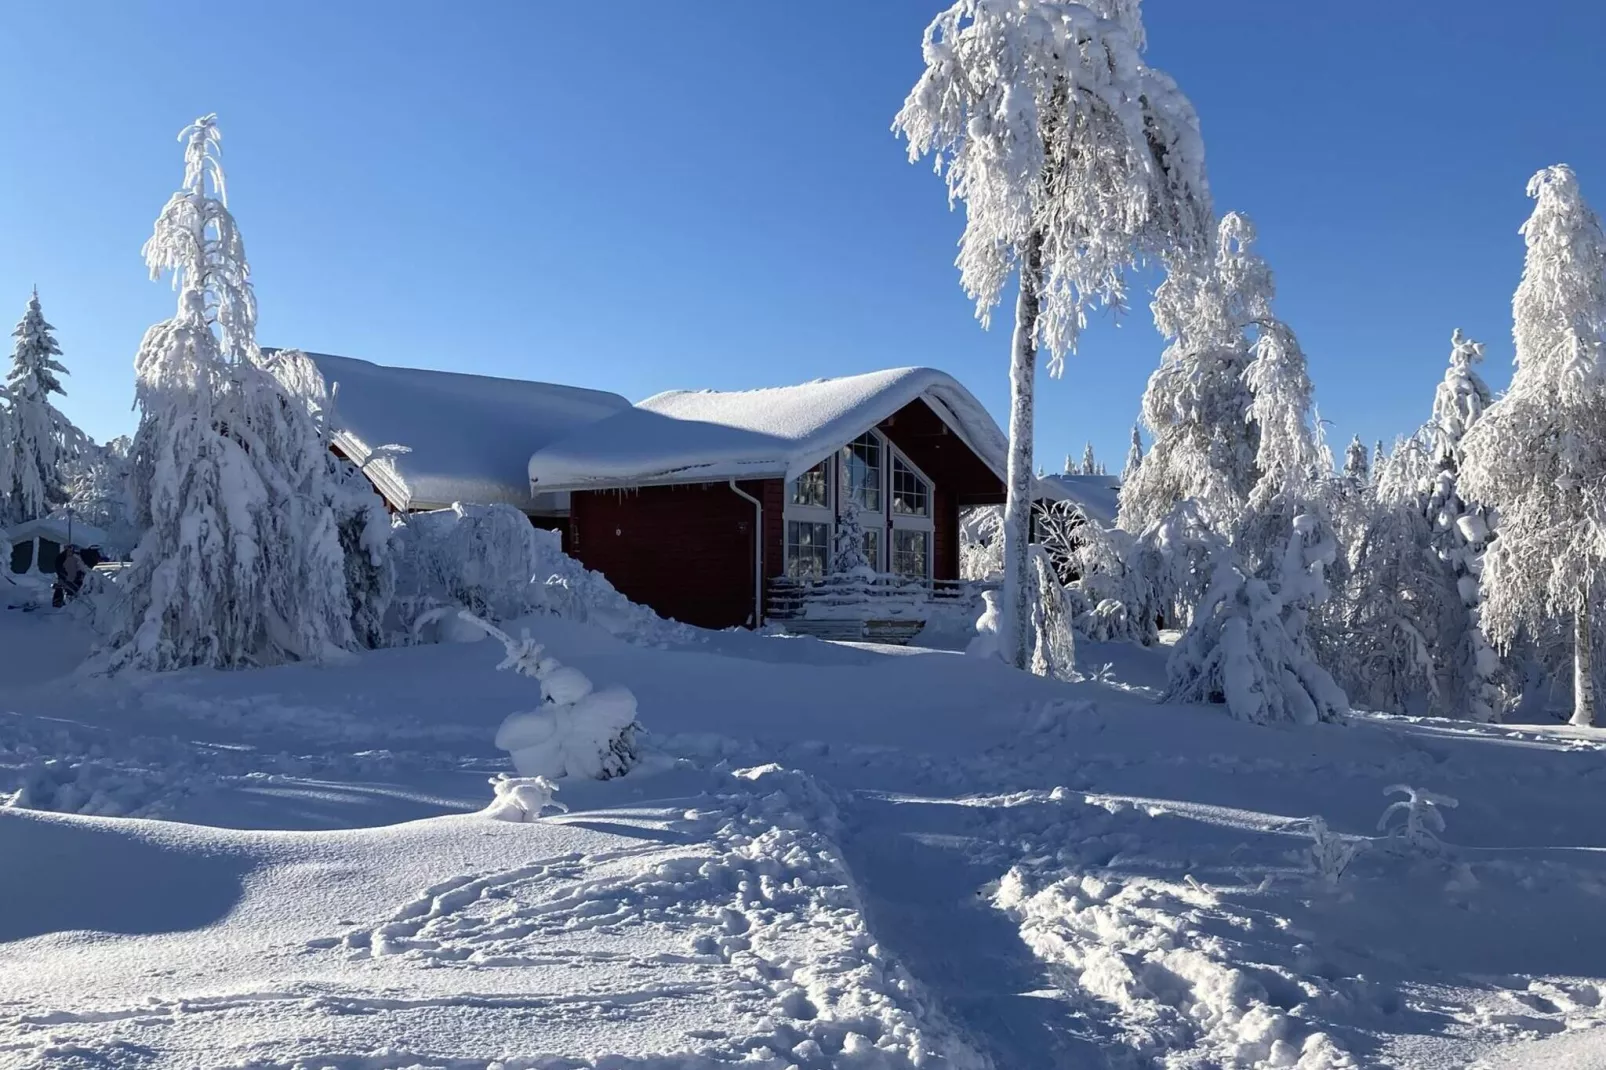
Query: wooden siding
[(685, 550)]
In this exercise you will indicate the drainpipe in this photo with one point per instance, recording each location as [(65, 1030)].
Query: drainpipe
[(758, 555)]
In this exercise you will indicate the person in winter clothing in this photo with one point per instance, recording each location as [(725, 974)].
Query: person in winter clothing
[(70, 572)]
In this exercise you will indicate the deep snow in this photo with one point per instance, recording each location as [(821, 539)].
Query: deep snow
[(833, 855)]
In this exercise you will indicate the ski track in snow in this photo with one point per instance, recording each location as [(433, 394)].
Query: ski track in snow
[(1082, 891)]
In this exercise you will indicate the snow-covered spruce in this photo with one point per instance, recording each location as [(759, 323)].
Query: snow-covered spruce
[(576, 730), (1357, 467), (240, 562), (1538, 455), (1134, 458), (39, 443), (848, 555), (1247, 647), (1090, 466), (1074, 158), (1472, 678)]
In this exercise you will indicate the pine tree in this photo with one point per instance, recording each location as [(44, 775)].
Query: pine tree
[(40, 441), (1070, 466), (1356, 467), (1471, 671), (1538, 454), (240, 562), (1074, 159), (1377, 459), (1134, 458), (1090, 467)]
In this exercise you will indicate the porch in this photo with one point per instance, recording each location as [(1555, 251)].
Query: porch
[(877, 608)]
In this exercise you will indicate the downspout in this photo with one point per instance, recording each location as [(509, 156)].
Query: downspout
[(758, 555)]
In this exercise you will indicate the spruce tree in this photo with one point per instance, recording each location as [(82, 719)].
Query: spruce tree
[(40, 441), (1538, 455)]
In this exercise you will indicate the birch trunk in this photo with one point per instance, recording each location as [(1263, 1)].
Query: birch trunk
[(1015, 640), (1583, 667)]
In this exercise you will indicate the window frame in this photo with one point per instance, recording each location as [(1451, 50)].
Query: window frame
[(913, 521)]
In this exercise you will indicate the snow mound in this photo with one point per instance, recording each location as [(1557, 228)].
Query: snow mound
[(491, 561)]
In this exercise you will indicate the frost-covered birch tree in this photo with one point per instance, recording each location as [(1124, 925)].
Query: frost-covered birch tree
[(1538, 455), (39, 441), (1196, 405), (1461, 530), (240, 562), (1073, 158)]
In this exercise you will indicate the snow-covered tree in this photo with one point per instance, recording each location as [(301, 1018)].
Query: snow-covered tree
[(1134, 458), (39, 441), (1070, 466), (97, 491), (1247, 646), (1074, 158), (1357, 469), (240, 561), (1538, 455), (1471, 671), (1377, 458), (1090, 467), (1196, 406), (848, 556)]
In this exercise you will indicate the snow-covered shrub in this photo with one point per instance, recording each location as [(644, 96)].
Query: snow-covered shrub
[(1247, 646), (981, 543), (1330, 852), (848, 556), (1422, 819), (477, 557), (576, 730), (522, 798), (1107, 579)]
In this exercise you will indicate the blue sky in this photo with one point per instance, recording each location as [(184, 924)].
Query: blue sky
[(638, 196)]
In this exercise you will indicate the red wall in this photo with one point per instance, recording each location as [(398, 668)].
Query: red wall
[(685, 550)]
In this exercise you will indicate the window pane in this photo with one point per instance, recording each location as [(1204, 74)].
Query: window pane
[(861, 465), (909, 553), (911, 496), (21, 555), (49, 550), (809, 488), (872, 548), (806, 549)]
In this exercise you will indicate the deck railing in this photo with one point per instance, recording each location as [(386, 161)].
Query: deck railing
[(869, 597)]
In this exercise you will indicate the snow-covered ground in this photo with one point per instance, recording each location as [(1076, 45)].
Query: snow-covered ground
[(833, 855)]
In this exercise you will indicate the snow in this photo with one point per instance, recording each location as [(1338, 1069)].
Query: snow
[(829, 855), (56, 529), (1099, 496), (468, 437), (708, 435)]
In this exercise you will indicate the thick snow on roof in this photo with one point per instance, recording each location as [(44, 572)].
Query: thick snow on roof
[(469, 436), (1097, 495), (705, 435), (57, 530)]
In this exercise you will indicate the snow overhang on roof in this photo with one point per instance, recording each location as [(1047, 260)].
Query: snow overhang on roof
[(687, 436), (469, 437), (56, 529), (1098, 496)]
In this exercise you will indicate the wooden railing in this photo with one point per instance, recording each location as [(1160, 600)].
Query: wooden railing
[(881, 597)]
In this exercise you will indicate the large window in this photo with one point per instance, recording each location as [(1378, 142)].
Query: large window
[(861, 471), (911, 553), (807, 549), (872, 547), (911, 495), (810, 488)]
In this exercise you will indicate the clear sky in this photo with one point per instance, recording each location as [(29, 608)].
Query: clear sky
[(638, 195)]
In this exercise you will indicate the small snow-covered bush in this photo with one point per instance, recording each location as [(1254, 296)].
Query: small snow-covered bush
[(522, 798), (576, 730), (1422, 814), (1330, 852)]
